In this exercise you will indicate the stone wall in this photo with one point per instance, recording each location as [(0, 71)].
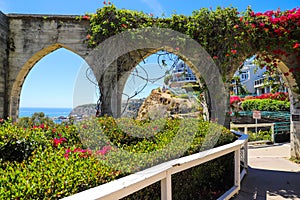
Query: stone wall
[(4, 29), (34, 36)]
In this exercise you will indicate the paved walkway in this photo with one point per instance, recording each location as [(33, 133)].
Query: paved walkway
[(270, 175)]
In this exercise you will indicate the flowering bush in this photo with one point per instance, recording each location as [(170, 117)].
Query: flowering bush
[(271, 35), (282, 96), (50, 163)]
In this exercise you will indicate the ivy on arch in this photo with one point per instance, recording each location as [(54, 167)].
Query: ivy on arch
[(227, 35)]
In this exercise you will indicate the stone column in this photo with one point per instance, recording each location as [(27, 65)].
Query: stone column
[(4, 29), (295, 126)]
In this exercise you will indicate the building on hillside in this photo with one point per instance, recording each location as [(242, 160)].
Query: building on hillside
[(181, 75), (252, 79)]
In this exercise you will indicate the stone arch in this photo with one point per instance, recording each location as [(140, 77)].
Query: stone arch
[(284, 66), (108, 61), (138, 57), (22, 74)]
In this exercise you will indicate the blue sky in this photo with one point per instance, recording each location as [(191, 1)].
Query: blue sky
[(52, 81)]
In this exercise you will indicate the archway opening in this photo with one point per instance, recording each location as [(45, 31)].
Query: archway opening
[(260, 97), (163, 85), (50, 86)]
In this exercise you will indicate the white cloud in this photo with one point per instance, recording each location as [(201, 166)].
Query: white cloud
[(155, 6)]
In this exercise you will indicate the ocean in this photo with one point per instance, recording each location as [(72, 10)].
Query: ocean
[(50, 112)]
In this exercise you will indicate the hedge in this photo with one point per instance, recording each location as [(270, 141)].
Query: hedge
[(51, 162), (265, 105)]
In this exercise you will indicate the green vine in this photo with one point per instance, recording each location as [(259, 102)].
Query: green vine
[(227, 35)]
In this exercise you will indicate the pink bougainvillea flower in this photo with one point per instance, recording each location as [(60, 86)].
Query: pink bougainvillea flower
[(234, 99), (58, 141), (104, 150), (233, 51), (177, 48), (86, 17), (66, 155), (296, 45)]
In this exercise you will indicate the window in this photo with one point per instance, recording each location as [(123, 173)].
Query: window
[(244, 76)]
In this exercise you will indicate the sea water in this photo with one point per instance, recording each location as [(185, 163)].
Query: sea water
[(49, 112)]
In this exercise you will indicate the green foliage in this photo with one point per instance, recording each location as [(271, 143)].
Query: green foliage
[(36, 119), (51, 162), (260, 135), (265, 105), (226, 34), (49, 175)]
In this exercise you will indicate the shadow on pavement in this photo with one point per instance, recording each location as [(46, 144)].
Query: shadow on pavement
[(260, 184)]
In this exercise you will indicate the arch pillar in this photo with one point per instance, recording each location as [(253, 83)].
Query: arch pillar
[(294, 96)]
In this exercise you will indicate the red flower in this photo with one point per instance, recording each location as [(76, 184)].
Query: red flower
[(88, 37), (233, 51), (291, 69), (104, 2), (57, 141), (104, 150), (86, 17), (177, 48), (286, 74), (296, 45), (124, 25), (234, 99), (215, 57)]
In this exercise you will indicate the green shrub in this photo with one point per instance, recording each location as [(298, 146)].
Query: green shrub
[(260, 135), (49, 175), (265, 105), (48, 162)]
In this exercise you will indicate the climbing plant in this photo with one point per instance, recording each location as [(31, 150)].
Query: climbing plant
[(227, 35)]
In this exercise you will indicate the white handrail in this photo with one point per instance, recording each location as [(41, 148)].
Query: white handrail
[(125, 186), (246, 126)]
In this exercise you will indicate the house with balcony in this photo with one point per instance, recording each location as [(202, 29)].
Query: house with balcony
[(253, 80), (181, 75)]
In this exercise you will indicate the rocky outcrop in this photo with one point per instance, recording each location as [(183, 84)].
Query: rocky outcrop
[(86, 110), (165, 104)]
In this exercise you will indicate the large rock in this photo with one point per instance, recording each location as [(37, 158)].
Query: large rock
[(84, 111), (165, 104)]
